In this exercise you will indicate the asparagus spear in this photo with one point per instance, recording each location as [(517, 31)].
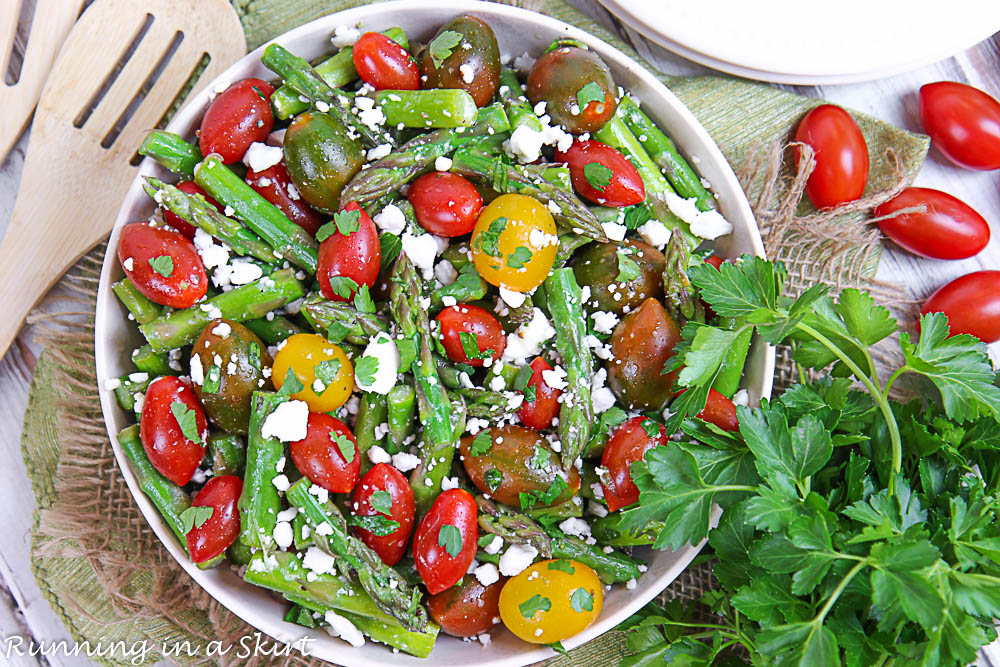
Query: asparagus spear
[(484, 403), (469, 286), (259, 503), (127, 389), (418, 155), (529, 180), (576, 414), (337, 71), (442, 107), (401, 408), (273, 331), (519, 111), (300, 76), (388, 590), (371, 414), (287, 239), (300, 616), (665, 154), (333, 316), (171, 151), (228, 454), (198, 212), (169, 498), (140, 306), (247, 302), (149, 361), (568, 244)]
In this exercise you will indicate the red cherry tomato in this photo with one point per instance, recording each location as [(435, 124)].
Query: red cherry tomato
[(275, 185), (357, 256), (445, 204), (237, 117), (963, 122), (164, 265), (168, 448), (322, 460), (972, 304), (445, 542), (479, 326), (948, 229), (628, 444), (221, 529), (178, 223), (715, 261), (384, 478), (384, 64), (841, 156), (611, 181), (468, 609), (539, 413), (719, 410)]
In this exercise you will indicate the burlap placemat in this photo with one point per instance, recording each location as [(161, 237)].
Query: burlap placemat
[(95, 558)]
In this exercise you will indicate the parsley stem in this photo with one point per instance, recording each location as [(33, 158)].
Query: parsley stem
[(892, 378), (877, 394), (821, 616)]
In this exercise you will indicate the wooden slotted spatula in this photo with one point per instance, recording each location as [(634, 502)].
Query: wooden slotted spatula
[(118, 73), (51, 23)]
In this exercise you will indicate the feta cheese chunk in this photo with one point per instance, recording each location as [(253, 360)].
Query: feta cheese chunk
[(318, 561), (404, 461), (487, 574), (527, 340), (422, 250), (512, 298), (288, 422), (516, 559), (390, 219), (654, 233), (705, 224), (261, 156), (343, 628), (604, 322), (345, 35), (383, 349)]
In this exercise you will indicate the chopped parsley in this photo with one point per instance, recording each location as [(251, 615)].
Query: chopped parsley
[(518, 258), (213, 379), (346, 446), (470, 345), (441, 46), (381, 501), (365, 370), (534, 604), (598, 176), (592, 92), (489, 240), (493, 479), (450, 538), (195, 517), (481, 443), (376, 524), (327, 371), (163, 264), (581, 601), (187, 420)]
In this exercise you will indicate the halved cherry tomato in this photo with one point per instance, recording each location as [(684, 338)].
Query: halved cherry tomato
[(275, 185), (384, 64), (328, 455), (356, 256), (514, 242), (539, 413), (445, 542), (213, 537), (383, 478), (169, 403), (237, 117), (481, 330), (164, 265), (715, 261), (719, 410), (602, 175), (468, 609), (628, 444), (841, 156), (551, 600), (948, 228), (445, 204), (963, 122), (310, 356), (178, 223), (972, 304)]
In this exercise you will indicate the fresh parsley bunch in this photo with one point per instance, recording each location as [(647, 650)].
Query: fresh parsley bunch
[(854, 529)]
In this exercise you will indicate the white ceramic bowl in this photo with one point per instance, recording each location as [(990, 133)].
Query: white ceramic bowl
[(518, 31)]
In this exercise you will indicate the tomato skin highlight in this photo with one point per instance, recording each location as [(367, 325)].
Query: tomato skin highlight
[(140, 242), (972, 304), (445, 204), (357, 256), (383, 477), (274, 184), (538, 414), (223, 527), (178, 223), (628, 444), (963, 123), (625, 187), (319, 458), (467, 610), (841, 155), (437, 568), (948, 229), (384, 64), (236, 118), (466, 318), (170, 452)]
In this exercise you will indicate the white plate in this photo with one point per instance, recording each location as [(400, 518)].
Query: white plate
[(808, 41), (518, 31)]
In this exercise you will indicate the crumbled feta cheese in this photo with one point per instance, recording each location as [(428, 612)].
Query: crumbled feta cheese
[(512, 298), (448, 483), (345, 35), (445, 272), (288, 514), (487, 574), (422, 250), (371, 117), (705, 224), (222, 330), (390, 219), (741, 398), (527, 340), (379, 152), (630, 584), (442, 163), (281, 482), (378, 455), (516, 559), (338, 626), (288, 422), (468, 75), (318, 561), (261, 156), (382, 348), (283, 534), (138, 377), (485, 639), (110, 384), (197, 370), (128, 263), (602, 400), (654, 233), (539, 239), (404, 461), (597, 509), (523, 63), (526, 143), (555, 378), (494, 546), (604, 322), (322, 106), (614, 231), (575, 526)]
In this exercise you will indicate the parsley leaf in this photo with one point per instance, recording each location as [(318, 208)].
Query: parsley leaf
[(628, 269), (518, 258), (327, 371), (489, 241), (195, 517), (651, 427), (363, 302), (555, 489), (344, 222), (493, 479), (365, 371), (390, 245), (345, 445), (291, 384), (562, 565), (522, 378), (581, 600), (470, 345), (592, 92), (533, 605), (162, 264), (442, 45), (187, 421), (376, 524), (343, 286), (381, 501), (530, 393), (450, 538), (481, 443), (597, 175), (540, 459), (636, 216), (213, 380)]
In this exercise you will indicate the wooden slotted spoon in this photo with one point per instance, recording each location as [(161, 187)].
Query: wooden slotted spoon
[(52, 22), (117, 74)]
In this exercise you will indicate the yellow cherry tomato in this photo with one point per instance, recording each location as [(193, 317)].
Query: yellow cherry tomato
[(322, 367), (514, 243), (551, 600)]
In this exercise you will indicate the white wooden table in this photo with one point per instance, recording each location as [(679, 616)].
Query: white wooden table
[(24, 612)]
